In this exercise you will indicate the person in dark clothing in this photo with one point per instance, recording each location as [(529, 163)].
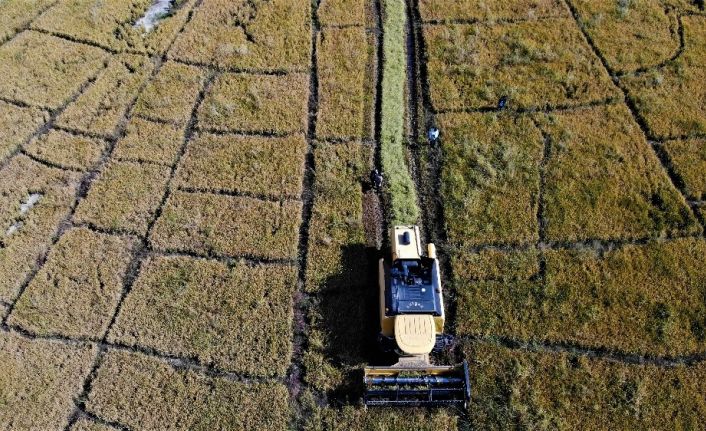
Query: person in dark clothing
[(376, 179), (502, 103)]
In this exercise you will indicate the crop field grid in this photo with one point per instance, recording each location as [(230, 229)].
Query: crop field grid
[(188, 235)]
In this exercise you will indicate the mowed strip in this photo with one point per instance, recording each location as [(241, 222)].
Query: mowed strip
[(67, 150), (111, 23), (125, 197), (534, 390), (236, 318), (268, 104), (39, 381), (77, 290), (490, 178), (35, 200), (46, 71), (104, 104), (344, 72), (251, 165), (145, 393), (535, 64), (16, 126), (271, 35), (484, 10), (351, 418), (147, 141), (221, 225), (638, 299), (603, 181)]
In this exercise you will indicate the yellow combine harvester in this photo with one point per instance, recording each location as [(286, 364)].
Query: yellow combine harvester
[(412, 322)]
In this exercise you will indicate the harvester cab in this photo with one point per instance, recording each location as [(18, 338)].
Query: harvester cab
[(412, 322)]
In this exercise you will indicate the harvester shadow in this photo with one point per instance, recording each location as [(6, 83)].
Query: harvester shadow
[(349, 317)]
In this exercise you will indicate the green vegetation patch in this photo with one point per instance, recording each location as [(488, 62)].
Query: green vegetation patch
[(641, 299), (16, 126), (670, 99), (15, 14), (67, 150), (104, 105), (146, 393), (237, 318), (111, 23), (35, 200), (629, 34), (260, 34), (345, 96), (150, 142), (171, 95), (536, 64), (39, 381), (491, 178), (400, 186), (76, 291), (545, 390), (485, 10), (350, 418), (45, 70), (124, 197), (603, 181), (337, 241), (343, 12), (688, 156), (256, 103), (245, 164), (226, 225)]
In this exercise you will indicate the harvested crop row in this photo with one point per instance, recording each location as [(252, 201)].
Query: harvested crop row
[(515, 388), (264, 35), (124, 197), (345, 102), (16, 126), (490, 178), (171, 95), (44, 70), (39, 381), (103, 106), (111, 23), (400, 186), (256, 104), (644, 299), (630, 35), (77, 290), (66, 150), (483, 10), (146, 393), (535, 64), (244, 164), (147, 141), (35, 201), (16, 14), (603, 181), (236, 318), (212, 224)]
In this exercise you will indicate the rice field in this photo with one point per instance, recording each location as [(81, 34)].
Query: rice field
[(189, 234)]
